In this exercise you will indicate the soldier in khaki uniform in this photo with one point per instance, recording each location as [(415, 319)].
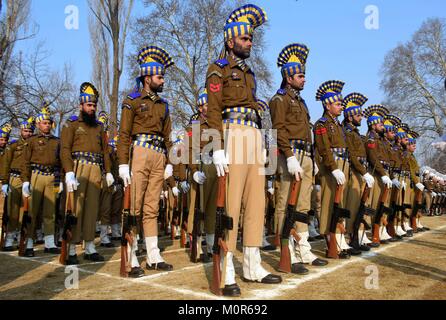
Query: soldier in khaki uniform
[(41, 180), (291, 119), (359, 169), (4, 137), (111, 201), (332, 151), (12, 167), (85, 158), (378, 159), (231, 88), (145, 128), (203, 173)]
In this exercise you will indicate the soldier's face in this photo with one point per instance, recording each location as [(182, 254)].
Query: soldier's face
[(356, 119), (335, 108), (89, 108), (156, 83), (3, 142), (404, 141), (26, 133), (379, 127), (45, 126), (241, 46), (297, 81), (390, 135), (412, 147), (204, 110)]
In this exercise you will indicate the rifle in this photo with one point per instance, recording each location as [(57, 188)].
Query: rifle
[(363, 211), (418, 206), (5, 220), (175, 218), (162, 214), (184, 217), (195, 241), (70, 221), (338, 213), (269, 217), (382, 209), (288, 230), (222, 223), (26, 220), (127, 236)]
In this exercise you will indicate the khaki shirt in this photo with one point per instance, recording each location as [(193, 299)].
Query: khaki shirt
[(4, 178), (356, 149), (194, 144), (376, 152), (328, 134), (228, 86), (14, 158), (43, 150), (77, 136), (414, 169), (291, 119), (142, 113)]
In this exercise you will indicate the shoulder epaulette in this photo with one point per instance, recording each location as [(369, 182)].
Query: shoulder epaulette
[(322, 120), (133, 95), (282, 92), (221, 63), (166, 105), (73, 118), (13, 141)]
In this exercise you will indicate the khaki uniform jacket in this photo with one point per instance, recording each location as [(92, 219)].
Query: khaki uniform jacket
[(376, 152), (356, 148)]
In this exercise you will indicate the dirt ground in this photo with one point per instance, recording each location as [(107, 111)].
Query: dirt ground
[(412, 269)]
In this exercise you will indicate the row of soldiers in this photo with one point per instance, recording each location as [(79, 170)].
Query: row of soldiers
[(364, 183)]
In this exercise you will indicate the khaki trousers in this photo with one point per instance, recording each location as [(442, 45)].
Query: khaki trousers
[(2, 204), (14, 203), (111, 205), (43, 200), (354, 192), (245, 185), (328, 190), (285, 179), (147, 183), (86, 201)]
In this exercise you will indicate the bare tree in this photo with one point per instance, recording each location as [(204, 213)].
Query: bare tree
[(192, 32), (413, 77), (109, 24)]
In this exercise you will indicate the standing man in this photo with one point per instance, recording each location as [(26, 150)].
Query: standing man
[(232, 111), (145, 129), (84, 158), (4, 137), (41, 180), (12, 169), (332, 150), (291, 118), (378, 159), (359, 177)]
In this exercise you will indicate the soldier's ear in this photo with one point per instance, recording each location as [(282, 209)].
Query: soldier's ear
[(230, 43)]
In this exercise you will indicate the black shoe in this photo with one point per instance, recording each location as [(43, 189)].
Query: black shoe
[(344, 255), (136, 272), (52, 250), (384, 241), (140, 241), (269, 279), (363, 247), (59, 244), (96, 257), (204, 258), (160, 266), (29, 253), (409, 233), (299, 268), (393, 239), (108, 245), (426, 228), (319, 262), (203, 242), (269, 247), (9, 249), (311, 239), (354, 252), (116, 238), (232, 290), (319, 237), (72, 260), (373, 245), (40, 241)]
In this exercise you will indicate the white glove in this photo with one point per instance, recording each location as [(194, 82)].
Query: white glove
[(368, 178), (185, 186), (420, 186), (433, 194), (175, 191), (5, 189), (199, 177), (265, 156), (166, 194), (162, 195), (396, 183), (26, 190), (294, 167), (339, 176), (220, 162), (168, 172), (124, 174), (110, 180), (316, 169), (386, 180), (60, 188), (271, 191), (71, 181), (404, 185)]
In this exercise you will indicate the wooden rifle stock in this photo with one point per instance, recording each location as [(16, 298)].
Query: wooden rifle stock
[(126, 238), (417, 207), (66, 238), (184, 222), (5, 219), (382, 200), (332, 244), (24, 227)]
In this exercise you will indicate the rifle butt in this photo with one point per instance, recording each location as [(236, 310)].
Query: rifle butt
[(183, 238), (124, 259), (216, 275), (332, 247), (63, 252), (285, 257), (375, 233)]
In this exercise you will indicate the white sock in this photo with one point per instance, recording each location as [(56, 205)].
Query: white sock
[(153, 252), (252, 268), (49, 241), (30, 243), (230, 271), (90, 248), (72, 249)]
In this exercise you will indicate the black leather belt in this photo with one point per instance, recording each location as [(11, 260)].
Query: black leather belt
[(88, 157), (44, 169), (301, 145)]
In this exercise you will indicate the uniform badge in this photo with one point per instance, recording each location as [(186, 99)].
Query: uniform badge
[(41, 142), (235, 76), (144, 108), (332, 128), (215, 87)]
